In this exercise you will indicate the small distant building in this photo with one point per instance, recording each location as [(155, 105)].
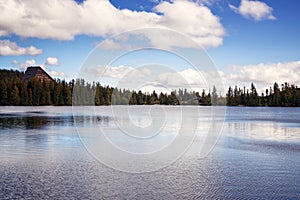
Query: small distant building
[(37, 72)]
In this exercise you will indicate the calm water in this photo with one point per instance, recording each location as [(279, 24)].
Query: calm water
[(58, 153)]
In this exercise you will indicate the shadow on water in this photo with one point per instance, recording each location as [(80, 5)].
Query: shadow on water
[(32, 122), (40, 121)]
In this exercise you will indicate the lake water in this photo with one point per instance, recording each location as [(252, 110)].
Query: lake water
[(134, 152)]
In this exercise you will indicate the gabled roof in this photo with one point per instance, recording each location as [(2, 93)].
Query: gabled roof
[(32, 72)]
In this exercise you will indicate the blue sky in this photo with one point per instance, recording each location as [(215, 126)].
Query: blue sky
[(249, 41)]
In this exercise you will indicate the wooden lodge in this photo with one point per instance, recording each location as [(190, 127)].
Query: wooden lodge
[(37, 72)]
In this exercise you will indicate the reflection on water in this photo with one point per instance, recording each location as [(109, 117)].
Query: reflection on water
[(42, 157), (262, 131), (31, 122), (264, 123), (40, 122)]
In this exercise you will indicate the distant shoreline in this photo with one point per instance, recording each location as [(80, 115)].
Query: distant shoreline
[(16, 90), (154, 105)]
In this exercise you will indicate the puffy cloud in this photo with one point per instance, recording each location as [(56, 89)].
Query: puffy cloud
[(254, 9), (115, 44), (192, 79), (152, 77), (263, 74), (30, 62), (109, 71), (55, 19), (51, 61), (8, 48), (57, 74), (187, 78), (23, 66), (116, 72), (192, 19)]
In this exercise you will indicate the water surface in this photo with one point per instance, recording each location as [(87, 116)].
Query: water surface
[(43, 157)]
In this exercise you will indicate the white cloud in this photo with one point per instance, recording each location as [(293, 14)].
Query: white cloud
[(264, 74), (108, 71), (56, 74), (62, 20), (23, 66), (116, 72), (158, 78), (188, 78), (192, 79), (8, 48), (115, 44), (30, 62), (33, 51), (194, 20), (51, 61), (254, 9)]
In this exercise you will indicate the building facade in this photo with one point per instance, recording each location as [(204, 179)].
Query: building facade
[(37, 72)]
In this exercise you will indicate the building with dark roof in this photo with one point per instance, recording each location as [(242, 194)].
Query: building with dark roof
[(37, 72)]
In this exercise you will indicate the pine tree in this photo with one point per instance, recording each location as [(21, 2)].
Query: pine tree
[(3, 93), (214, 96), (14, 96)]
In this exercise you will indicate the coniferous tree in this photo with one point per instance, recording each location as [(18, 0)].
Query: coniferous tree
[(229, 97), (3, 93), (14, 97), (214, 96)]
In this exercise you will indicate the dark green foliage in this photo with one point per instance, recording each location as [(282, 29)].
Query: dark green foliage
[(3, 93), (287, 96), (11, 75), (14, 98), (15, 91)]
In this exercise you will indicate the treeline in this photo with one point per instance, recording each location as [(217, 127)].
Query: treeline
[(285, 96), (14, 91), (114, 96)]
